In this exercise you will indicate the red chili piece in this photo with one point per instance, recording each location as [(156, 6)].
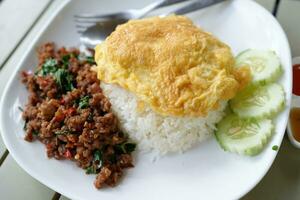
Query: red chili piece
[(68, 154), (70, 111)]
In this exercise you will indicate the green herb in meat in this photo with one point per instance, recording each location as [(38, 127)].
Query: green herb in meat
[(84, 102), (49, 67), (98, 158), (34, 132), (129, 147), (112, 158), (90, 60), (90, 170), (126, 147), (96, 164), (64, 80), (65, 61)]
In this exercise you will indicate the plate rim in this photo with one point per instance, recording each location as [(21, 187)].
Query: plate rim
[(288, 94), (40, 33)]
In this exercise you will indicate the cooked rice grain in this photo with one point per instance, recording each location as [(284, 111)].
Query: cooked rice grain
[(155, 132)]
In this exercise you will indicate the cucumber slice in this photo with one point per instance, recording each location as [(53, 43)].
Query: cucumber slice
[(243, 136), (262, 101), (265, 65)]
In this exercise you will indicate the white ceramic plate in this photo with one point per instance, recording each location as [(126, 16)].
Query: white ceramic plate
[(205, 172)]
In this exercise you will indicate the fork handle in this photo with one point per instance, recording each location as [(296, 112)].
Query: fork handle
[(171, 2), (195, 6), (161, 3)]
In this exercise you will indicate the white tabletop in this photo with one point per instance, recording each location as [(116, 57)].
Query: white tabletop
[(19, 23)]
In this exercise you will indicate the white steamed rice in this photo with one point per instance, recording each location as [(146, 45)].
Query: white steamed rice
[(157, 133)]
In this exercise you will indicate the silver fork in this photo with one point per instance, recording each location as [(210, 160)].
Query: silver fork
[(99, 31), (84, 21)]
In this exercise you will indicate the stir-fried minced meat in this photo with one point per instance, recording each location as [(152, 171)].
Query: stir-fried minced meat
[(68, 112)]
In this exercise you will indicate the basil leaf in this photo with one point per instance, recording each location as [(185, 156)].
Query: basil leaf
[(34, 132), (65, 60), (129, 147), (73, 55), (97, 162), (49, 67), (126, 147), (112, 158), (98, 155), (90, 170), (84, 102), (64, 80), (90, 60)]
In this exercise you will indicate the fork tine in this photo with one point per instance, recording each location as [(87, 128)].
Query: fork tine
[(83, 25), (78, 26), (89, 21), (81, 29), (79, 20), (96, 16)]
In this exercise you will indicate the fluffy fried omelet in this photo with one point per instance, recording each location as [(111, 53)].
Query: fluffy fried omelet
[(171, 65)]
